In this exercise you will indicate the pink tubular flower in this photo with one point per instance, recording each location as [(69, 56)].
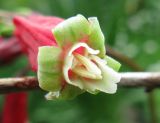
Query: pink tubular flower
[(35, 31), (15, 108), (68, 55)]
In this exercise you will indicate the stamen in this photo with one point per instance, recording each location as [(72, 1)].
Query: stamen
[(84, 73), (90, 66)]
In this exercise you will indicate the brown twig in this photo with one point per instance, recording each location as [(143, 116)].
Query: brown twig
[(122, 58), (140, 79), (18, 84), (130, 79)]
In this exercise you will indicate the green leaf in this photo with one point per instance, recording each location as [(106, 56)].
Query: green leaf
[(49, 73), (96, 38), (71, 30)]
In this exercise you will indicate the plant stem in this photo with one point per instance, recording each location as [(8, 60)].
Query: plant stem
[(129, 79)]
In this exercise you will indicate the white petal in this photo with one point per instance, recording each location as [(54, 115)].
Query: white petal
[(69, 61), (109, 77), (108, 82)]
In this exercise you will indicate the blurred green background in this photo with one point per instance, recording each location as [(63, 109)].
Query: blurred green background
[(132, 27)]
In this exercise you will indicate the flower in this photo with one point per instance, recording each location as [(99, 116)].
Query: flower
[(70, 61), (34, 31)]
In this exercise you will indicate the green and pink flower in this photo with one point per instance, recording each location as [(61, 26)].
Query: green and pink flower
[(68, 55)]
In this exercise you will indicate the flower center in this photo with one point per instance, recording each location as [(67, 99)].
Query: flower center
[(85, 67)]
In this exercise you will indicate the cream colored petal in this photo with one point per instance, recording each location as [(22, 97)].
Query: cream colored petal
[(109, 77), (69, 61)]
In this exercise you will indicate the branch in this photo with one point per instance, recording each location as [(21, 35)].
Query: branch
[(18, 84), (130, 79), (140, 79), (122, 58)]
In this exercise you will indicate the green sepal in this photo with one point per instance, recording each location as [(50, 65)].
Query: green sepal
[(115, 65), (70, 92), (67, 93), (96, 38), (71, 30), (49, 73)]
